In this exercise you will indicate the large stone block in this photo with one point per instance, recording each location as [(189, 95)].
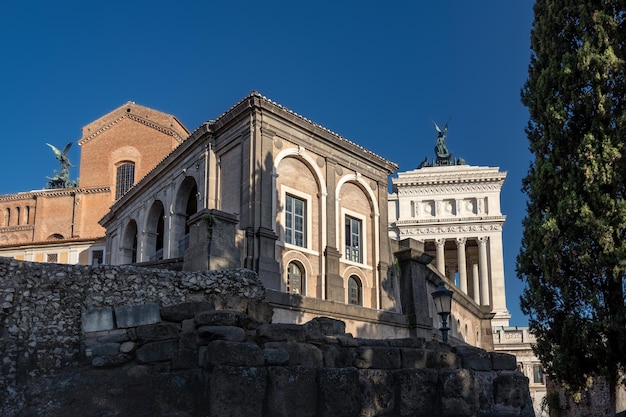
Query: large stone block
[(378, 357), (503, 361), (300, 354), (157, 351), (378, 392), (235, 391), (281, 332), (222, 352), (413, 358), (340, 393), (139, 315), (158, 331), (97, 319), (459, 393), (474, 358), (418, 392), (510, 389), (291, 392), (184, 311)]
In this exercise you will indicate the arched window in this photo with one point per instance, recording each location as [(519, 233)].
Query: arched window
[(295, 278), (125, 178), (17, 215), (355, 291)]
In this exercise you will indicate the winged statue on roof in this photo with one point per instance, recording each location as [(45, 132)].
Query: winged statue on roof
[(61, 179)]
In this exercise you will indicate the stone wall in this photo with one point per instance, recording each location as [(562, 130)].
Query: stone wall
[(127, 341)]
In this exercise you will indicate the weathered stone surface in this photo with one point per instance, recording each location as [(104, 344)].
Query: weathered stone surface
[(340, 392), (210, 333), (378, 357), (327, 326), (156, 332), (418, 392), (235, 391), (105, 349), (509, 389), (218, 318), (222, 352), (460, 396), (138, 315), (282, 332), (474, 358), (110, 360), (285, 388), (275, 357), (300, 354), (503, 361), (378, 393), (442, 360), (184, 311), (49, 367), (413, 358), (157, 351), (338, 357), (97, 319)]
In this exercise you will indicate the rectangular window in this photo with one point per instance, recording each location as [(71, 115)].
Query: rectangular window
[(353, 239), (53, 257), (97, 257), (295, 218), (538, 374)]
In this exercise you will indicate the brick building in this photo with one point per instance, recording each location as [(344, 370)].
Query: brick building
[(61, 225)]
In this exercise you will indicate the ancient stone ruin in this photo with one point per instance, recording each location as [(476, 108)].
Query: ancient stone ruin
[(129, 341)]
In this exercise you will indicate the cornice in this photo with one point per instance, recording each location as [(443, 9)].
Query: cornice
[(20, 228), (55, 192), (461, 220), (134, 117), (452, 188)]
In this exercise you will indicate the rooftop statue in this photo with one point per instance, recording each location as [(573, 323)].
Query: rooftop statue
[(61, 179), (440, 149), (443, 157)]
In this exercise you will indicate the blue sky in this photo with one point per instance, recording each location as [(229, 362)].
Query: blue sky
[(376, 73)]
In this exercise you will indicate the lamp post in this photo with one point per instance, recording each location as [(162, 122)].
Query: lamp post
[(443, 305)]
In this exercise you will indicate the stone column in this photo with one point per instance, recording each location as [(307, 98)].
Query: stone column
[(460, 254), (475, 285), (441, 256), (484, 271)]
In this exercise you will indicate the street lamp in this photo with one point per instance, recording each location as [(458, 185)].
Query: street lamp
[(443, 304)]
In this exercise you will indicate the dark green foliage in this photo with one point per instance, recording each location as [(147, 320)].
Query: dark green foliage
[(573, 254)]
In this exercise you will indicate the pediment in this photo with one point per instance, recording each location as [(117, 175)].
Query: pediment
[(154, 119)]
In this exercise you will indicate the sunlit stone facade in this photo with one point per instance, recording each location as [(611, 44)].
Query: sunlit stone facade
[(455, 211)]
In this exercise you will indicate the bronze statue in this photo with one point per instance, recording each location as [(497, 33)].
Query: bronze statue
[(440, 149), (62, 178), (443, 157)]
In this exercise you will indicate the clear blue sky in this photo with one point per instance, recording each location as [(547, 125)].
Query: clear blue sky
[(374, 72)]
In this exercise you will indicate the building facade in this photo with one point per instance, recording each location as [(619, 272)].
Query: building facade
[(309, 208), (61, 225)]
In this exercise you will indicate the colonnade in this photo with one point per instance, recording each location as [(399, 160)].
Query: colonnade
[(477, 284)]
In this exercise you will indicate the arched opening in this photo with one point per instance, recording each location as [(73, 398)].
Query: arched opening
[(355, 290), (185, 206), (155, 230), (128, 245), (17, 215), (295, 278)]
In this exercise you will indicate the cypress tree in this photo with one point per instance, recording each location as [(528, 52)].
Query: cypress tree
[(573, 253)]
